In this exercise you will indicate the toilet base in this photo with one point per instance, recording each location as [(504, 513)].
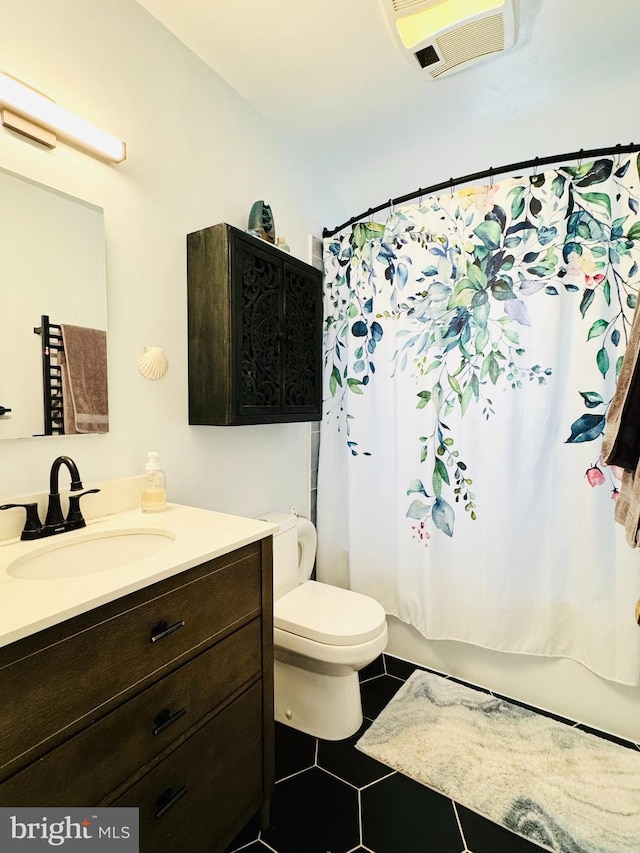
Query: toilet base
[(325, 706)]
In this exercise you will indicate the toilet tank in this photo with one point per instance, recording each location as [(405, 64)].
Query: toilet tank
[(285, 552), (307, 546)]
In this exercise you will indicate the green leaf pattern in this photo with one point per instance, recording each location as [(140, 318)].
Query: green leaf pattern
[(455, 296)]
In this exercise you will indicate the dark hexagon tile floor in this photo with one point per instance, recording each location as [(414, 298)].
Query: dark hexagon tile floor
[(331, 798), (341, 758), (315, 810), (295, 751), (377, 693), (403, 816)]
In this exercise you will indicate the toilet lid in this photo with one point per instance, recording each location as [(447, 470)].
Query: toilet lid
[(329, 614)]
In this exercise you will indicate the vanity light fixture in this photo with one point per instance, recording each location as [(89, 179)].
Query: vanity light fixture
[(34, 115)]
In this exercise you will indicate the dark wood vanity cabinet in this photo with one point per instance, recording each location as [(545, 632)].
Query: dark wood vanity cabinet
[(255, 331), (162, 700)]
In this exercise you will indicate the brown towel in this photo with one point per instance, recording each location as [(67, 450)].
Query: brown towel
[(627, 508), (84, 379), (621, 442)]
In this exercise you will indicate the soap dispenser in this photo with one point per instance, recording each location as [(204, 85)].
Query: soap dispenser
[(154, 490)]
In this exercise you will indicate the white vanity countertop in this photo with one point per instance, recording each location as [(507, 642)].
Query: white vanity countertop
[(27, 606)]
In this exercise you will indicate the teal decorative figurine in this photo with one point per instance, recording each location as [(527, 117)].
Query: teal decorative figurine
[(261, 222)]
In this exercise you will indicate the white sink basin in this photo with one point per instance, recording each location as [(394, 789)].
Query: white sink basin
[(90, 553)]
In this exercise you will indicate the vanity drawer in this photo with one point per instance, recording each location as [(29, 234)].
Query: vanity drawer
[(91, 764), (192, 800), (52, 689)]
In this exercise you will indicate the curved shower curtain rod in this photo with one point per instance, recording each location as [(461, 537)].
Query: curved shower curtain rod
[(487, 173)]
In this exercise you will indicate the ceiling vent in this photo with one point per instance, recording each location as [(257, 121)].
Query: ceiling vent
[(443, 36)]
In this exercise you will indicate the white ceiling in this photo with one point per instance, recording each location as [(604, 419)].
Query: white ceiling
[(310, 66), (329, 76)]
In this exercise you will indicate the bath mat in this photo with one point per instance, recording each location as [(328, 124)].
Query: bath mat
[(559, 787)]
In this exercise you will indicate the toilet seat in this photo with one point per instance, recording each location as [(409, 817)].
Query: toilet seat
[(329, 614)]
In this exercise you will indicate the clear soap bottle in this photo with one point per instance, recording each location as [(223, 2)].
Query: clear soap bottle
[(154, 488)]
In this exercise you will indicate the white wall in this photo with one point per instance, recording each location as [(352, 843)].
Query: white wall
[(569, 83), (197, 155)]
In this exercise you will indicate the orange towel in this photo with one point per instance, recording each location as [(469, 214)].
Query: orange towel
[(84, 380)]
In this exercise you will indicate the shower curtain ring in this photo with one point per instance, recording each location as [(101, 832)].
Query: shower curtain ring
[(580, 153), (452, 184), (390, 207), (618, 155), (491, 177), (535, 167)]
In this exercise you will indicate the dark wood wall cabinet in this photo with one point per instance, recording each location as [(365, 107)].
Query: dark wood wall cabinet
[(255, 331), (162, 700)]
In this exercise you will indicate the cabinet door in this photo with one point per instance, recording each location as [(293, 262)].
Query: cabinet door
[(255, 331), (256, 286), (302, 362), (200, 796)]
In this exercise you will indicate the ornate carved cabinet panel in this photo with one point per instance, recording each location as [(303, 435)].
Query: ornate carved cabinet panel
[(255, 330)]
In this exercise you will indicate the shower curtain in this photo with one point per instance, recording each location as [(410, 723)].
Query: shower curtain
[(472, 344)]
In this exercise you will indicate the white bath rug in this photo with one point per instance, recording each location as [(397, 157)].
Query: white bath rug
[(564, 789)]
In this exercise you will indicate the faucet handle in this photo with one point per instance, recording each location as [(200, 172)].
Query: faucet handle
[(74, 515), (32, 524)]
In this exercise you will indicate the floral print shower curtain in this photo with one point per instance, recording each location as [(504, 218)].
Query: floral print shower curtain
[(472, 344)]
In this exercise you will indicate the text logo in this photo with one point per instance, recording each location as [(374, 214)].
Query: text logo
[(33, 829)]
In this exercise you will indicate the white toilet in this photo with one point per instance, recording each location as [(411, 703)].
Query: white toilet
[(322, 636)]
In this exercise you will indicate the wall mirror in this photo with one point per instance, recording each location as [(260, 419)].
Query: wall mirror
[(52, 279)]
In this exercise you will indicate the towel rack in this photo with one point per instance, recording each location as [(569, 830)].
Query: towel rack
[(51, 346)]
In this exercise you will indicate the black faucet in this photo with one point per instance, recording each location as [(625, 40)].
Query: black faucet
[(54, 510), (55, 521)]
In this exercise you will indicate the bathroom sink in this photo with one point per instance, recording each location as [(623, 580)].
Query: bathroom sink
[(90, 553)]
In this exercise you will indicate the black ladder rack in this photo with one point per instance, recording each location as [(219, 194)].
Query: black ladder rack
[(51, 345)]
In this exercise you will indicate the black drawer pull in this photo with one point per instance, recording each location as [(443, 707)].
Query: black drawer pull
[(165, 718), (161, 630), (168, 799)]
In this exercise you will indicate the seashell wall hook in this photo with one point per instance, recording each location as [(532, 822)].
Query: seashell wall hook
[(153, 363)]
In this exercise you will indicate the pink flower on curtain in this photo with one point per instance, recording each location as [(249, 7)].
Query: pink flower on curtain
[(595, 476), (421, 533), (584, 265)]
